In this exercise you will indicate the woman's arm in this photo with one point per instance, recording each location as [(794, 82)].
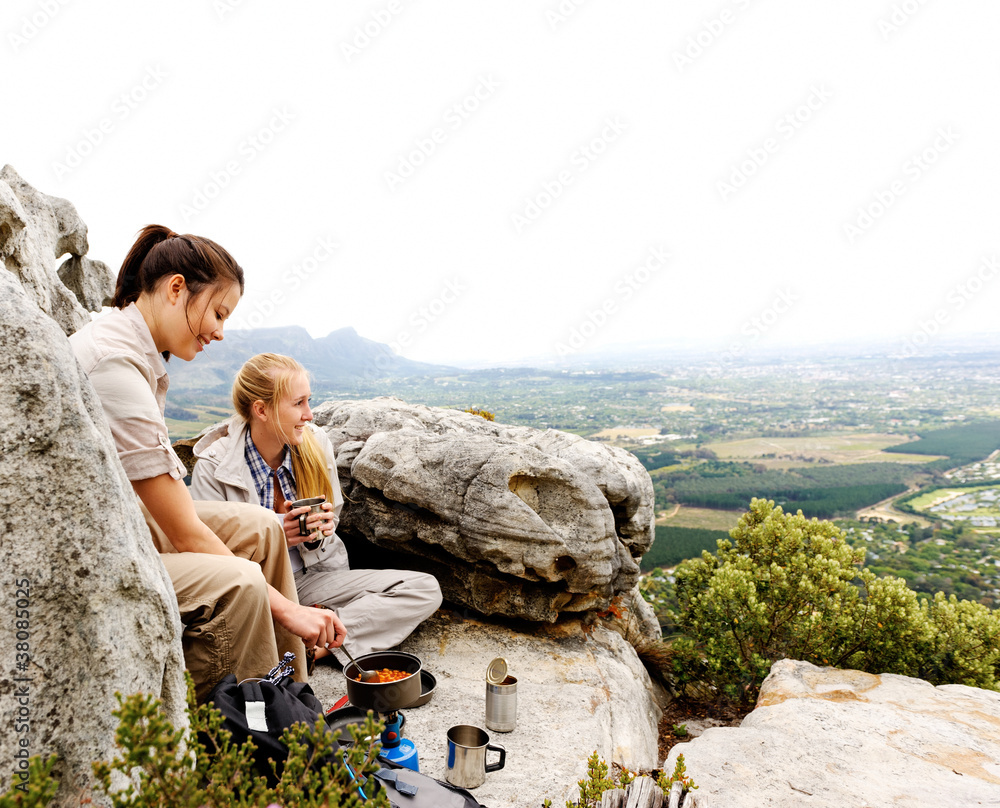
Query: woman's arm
[(171, 506), (169, 503)]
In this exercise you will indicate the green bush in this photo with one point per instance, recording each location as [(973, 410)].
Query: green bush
[(600, 779), (789, 587), (964, 643), (162, 767)]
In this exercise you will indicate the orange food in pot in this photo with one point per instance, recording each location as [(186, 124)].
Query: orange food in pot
[(386, 675)]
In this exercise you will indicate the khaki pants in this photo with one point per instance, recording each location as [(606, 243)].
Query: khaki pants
[(224, 602), (379, 608)]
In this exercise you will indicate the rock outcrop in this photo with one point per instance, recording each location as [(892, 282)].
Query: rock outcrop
[(829, 738), (35, 231), (516, 522), (576, 693), (513, 521), (89, 607)]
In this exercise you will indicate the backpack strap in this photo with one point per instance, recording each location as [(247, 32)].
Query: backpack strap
[(389, 776)]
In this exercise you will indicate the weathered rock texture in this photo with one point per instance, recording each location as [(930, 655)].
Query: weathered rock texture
[(35, 231), (831, 738), (82, 580), (511, 520), (576, 693)]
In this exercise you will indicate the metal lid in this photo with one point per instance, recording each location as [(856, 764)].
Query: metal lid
[(497, 671)]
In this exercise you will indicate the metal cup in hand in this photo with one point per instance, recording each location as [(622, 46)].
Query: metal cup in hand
[(315, 505)]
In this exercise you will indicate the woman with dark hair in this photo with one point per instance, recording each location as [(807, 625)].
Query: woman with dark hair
[(227, 561), (272, 454)]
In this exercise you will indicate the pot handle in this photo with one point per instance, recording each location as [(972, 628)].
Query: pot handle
[(492, 767)]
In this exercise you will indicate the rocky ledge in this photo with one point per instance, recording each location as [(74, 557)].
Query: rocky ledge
[(829, 738), (515, 521)]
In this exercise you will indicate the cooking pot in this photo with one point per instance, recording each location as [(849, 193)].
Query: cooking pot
[(389, 696)]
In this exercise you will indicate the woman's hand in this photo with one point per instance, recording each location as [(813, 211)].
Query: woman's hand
[(316, 627), (316, 523)]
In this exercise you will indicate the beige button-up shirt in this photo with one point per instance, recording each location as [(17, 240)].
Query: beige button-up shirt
[(118, 354)]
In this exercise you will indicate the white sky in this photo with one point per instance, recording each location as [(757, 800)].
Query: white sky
[(294, 125)]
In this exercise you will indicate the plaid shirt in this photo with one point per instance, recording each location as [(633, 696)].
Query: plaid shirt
[(262, 475)]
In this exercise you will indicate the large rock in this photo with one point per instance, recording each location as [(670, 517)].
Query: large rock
[(577, 692), (36, 230), (83, 583), (830, 738), (512, 520)]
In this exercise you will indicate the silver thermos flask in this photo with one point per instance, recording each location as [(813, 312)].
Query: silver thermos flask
[(501, 697)]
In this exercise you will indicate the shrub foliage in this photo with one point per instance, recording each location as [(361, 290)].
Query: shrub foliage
[(203, 768), (159, 766), (788, 587)]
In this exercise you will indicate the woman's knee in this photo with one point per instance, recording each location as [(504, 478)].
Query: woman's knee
[(428, 585), (245, 582)]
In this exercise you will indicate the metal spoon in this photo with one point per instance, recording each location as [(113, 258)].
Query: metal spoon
[(366, 676)]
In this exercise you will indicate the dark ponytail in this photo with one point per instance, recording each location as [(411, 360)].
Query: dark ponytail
[(159, 253)]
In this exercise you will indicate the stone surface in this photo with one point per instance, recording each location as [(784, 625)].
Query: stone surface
[(577, 692), (98, 608), (92, 282), (36, 230), (515, 521), (825, 737)]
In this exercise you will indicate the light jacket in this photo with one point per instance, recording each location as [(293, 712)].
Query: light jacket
[(221, 473)]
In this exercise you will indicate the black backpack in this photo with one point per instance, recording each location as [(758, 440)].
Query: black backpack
[(262, 709)]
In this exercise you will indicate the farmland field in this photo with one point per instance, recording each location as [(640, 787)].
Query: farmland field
[(624, 433), (976, 506), (709, 518), (940, 495), (674, 544), (857, 447), (963, 444), (200, 417)]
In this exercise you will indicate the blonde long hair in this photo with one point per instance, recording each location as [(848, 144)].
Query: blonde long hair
[(266, 378)]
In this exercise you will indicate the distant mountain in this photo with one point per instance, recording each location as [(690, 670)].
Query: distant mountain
[(340, 359)]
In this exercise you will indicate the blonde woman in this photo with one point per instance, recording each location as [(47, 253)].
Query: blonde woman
[(270, 453), (230, 573)]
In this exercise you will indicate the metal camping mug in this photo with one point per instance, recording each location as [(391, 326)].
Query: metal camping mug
[(501, 705), (315, 505), (466, 762)]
